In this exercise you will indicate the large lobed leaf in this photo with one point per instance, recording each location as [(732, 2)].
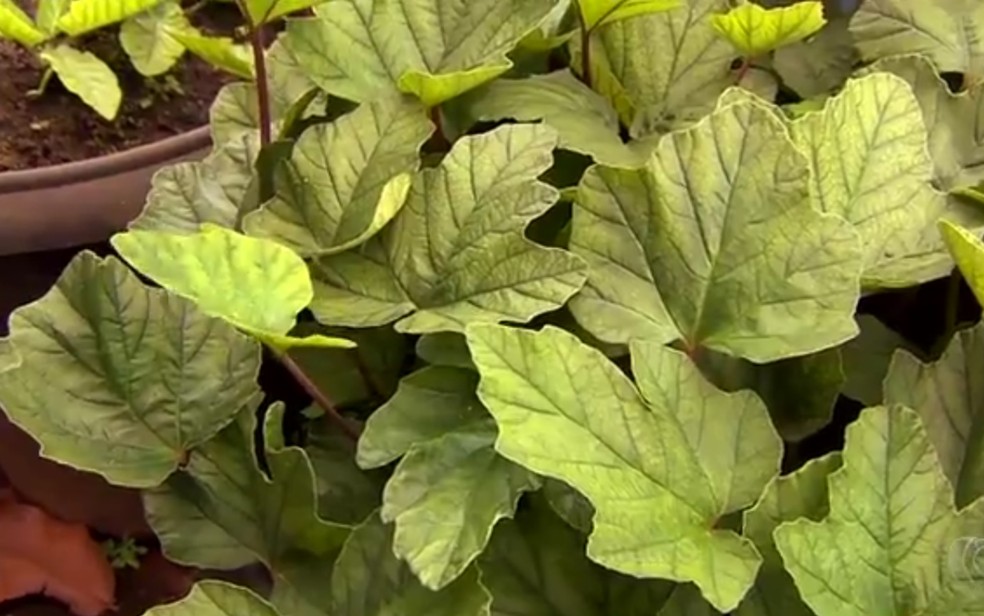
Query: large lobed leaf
[(451, 487), (468, 260), (870, 163), (345, 180), (87, 15), (434, 49), (714, 242), (661, 464), (121, 379), (216, 598), (755, 30), (892, 543)]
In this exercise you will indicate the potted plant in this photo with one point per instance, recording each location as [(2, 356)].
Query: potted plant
[(564, 307)]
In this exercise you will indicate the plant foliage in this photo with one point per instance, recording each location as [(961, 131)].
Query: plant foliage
[(587, 296)]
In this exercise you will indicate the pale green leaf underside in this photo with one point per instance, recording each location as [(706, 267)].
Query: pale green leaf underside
[(17, 25), (257, 285), (665, 67), (368, 580), (584, 120), (598, 13), (949, 396), (121, 379), (801, 494), (88, 15), (715, 242), (146, 38), (215, 598), (435, 49), (756, 30), (469, 260), (222, 512), (345, 180), (536, 566), (948, 32), (870, 163), (654, 464), (890, 546), (86, 76)]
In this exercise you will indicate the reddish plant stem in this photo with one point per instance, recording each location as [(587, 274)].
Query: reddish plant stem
[(320, 398), (262, 84), (439, 141), (742, 70), (585, 51)]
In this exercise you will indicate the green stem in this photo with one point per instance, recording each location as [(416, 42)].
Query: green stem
[(45, 78), (952, 312), (585, 50)]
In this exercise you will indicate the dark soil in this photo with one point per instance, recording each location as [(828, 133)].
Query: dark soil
[(58, 127)]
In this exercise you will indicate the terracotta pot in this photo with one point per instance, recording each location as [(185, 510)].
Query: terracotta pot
[(68, 205)]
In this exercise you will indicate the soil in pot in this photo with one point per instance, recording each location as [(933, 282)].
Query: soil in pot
[(57, 127)]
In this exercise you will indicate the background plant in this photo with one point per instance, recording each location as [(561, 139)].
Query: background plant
[(589, 337)]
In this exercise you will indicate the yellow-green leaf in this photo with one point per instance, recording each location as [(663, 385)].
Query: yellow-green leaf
[(597, 13), (755, 30), (257, 285), (219, 51), (86, 76), (968, 252), (88, 15), (16, 25)]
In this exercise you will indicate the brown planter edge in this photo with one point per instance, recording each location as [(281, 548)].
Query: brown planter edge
[(83, 202)]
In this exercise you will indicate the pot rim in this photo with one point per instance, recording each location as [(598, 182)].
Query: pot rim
[(138, 157)]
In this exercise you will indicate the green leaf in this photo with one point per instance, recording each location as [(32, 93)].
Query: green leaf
[(801, 494), (948, 32), (346, 493), (363, 49), (554, 30), (429, 403), (48, 13), (215, 598), (597, 13), (445, 349), (9, 357), (121, 379), (866, 359), (755, 30), (17, 25), (369, 581), (88, 15), (949, 396), (569, 504), (890, 544), (451, 487), (585, 121), (257, 285), (146, 38), (870, 164), (968, 253), (664, 67), (344, 180), (714, 242), (265, 11), (819, 65), (185, 195), (219, 51), (657, 468), (957, 150), (86, 76), (222, 512), (799, 392), (536, 566), (471, 261), (234, 112)]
